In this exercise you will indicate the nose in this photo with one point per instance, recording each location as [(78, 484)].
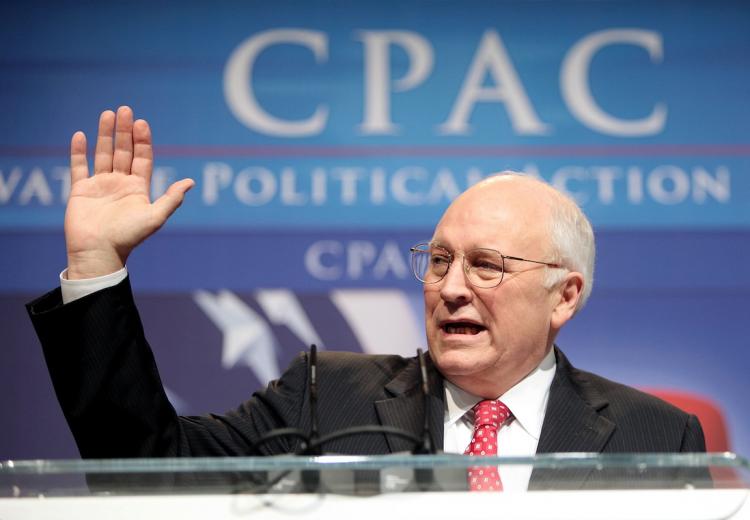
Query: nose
[(454, 287)]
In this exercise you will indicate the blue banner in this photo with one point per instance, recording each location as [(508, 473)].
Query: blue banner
[(377, 115)]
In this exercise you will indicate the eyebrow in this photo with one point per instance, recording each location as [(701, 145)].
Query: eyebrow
[(435, 243)]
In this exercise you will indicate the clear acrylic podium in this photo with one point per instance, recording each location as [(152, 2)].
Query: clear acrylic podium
[(566, 485)]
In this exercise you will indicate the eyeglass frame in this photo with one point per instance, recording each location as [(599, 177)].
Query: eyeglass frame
[(452, 257)]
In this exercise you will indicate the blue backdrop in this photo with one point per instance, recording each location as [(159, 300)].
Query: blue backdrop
[(325, 139)]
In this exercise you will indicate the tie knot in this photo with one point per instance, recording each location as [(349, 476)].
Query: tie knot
[(490, 413)]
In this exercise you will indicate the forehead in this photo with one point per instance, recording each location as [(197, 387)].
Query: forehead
[(508, 216)]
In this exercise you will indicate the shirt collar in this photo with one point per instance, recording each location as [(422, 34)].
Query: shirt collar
[(527, 400)]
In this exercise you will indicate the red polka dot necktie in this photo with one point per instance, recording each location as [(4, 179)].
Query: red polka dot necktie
[(488, 416)]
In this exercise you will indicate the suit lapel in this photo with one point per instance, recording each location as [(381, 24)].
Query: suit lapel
[(405, 409), (572, 424)]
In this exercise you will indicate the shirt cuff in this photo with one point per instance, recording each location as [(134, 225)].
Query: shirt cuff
[(75, 289)]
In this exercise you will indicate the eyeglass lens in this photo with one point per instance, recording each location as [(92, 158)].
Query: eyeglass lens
[(483, 267)]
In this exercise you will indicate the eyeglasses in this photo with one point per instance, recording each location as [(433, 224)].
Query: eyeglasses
[(484, 268)]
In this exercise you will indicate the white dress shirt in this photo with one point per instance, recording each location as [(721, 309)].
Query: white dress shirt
[(71, 290), (527, 401)]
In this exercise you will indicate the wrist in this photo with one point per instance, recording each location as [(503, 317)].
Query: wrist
[(92, 265)]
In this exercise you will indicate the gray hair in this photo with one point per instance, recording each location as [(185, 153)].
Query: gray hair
[(571, 236)]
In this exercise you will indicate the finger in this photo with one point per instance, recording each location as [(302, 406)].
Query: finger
[(123, 156), (103, 153), (165, 205), (143, 152), (79, 167)]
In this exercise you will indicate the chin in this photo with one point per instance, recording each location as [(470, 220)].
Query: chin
[(457, 360)]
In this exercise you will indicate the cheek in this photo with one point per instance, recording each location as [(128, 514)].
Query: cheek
[(431, 301), (491, 305), (507, 311), (523, 316)]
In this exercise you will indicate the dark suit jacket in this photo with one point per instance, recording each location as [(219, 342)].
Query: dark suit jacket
[(109, 388)]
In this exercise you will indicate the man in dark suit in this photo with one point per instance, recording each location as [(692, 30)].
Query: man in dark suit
[(509, 264)]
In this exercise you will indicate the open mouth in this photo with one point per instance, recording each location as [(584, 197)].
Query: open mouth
[(462, 327)]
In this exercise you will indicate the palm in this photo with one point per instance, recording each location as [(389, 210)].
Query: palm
[(112, 207), (110, 213)]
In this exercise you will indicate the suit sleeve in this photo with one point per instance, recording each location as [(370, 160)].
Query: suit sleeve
[(108, 386), (692, 438)]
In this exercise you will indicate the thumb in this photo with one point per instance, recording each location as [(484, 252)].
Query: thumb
[(165, 205)]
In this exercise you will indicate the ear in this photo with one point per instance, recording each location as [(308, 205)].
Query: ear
[(566, 297)]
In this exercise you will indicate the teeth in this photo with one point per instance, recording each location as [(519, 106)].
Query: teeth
[(462, 328)]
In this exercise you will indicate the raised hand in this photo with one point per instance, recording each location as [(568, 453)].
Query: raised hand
[(110, 213)]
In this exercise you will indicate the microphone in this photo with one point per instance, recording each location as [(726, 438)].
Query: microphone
[(311, 478), (427, 446), (312, 378), (424, 477), (312, 443)]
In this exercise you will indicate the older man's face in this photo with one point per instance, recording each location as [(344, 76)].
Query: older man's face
[(486, 340)]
